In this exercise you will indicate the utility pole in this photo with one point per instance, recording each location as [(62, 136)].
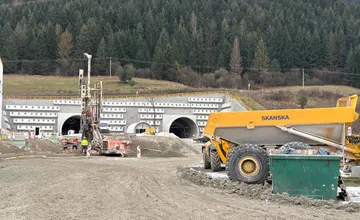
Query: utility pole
[(110, 67), (303, 78)]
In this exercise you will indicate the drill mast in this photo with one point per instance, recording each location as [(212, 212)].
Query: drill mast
[(91, 103)]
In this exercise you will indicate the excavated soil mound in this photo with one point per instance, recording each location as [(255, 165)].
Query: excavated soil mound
[(8, 148), (160, 146), (261, 192), (42, 146)]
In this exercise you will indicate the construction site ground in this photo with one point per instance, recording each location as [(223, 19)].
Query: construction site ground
[(146, 188)]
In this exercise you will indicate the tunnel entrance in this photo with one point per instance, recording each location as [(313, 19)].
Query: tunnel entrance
[(183, 128), (72, 123)]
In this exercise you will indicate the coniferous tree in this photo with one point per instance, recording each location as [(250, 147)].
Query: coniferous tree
[(150, 29), (161, 61), (180, 44), (331, 53), (353, 66), (260, 62), (201, 33), (64, 52), (236, 60), (110, 42), (224, 45), (101, 56), (341, 48), (21, 38), (83, 43), (9, 52)]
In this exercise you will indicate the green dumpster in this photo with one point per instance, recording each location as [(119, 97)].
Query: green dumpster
[(313, 176)]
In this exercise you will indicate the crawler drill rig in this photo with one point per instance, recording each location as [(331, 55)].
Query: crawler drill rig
[(91, 101)]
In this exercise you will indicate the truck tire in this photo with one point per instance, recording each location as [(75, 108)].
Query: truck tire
[(215, 161), (248, 163), (296, 145), (206, 160)]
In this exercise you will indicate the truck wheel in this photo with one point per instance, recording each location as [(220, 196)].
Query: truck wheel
[(296, 145), (206, 160), (215, 161), (248, 163)]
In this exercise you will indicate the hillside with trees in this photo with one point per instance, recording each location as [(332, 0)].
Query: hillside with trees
[(210, 43)]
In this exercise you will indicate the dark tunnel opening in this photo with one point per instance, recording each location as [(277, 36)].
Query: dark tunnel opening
[(72, 123), (183, 128)]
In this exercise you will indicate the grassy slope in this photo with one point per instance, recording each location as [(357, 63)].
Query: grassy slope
[(25, 85), (343, 90), (285, 97)]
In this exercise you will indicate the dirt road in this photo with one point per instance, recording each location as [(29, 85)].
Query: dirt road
[(127, 188)]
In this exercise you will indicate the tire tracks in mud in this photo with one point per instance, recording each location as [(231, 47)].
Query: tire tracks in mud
[(129, 188)]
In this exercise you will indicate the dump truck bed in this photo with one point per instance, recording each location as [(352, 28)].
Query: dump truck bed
[(263, 127)]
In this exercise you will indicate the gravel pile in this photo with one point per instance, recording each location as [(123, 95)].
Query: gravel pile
[(7, 148), (160, 146), (42, 146)]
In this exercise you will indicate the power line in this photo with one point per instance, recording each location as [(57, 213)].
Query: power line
[(172, 64)]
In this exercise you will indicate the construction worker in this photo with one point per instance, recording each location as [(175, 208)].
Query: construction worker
[(65, 145), (75, 143), (84, 145)]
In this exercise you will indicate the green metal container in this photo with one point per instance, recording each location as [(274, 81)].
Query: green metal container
[(313, 176)]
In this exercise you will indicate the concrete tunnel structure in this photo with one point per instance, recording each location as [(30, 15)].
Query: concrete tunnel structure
[(185, 116), (182, 126)]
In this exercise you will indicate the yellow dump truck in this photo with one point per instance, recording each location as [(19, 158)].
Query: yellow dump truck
[(242, 140)]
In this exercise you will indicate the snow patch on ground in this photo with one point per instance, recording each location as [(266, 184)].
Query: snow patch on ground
[(354, 194), (199, 165), (217, 175)]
